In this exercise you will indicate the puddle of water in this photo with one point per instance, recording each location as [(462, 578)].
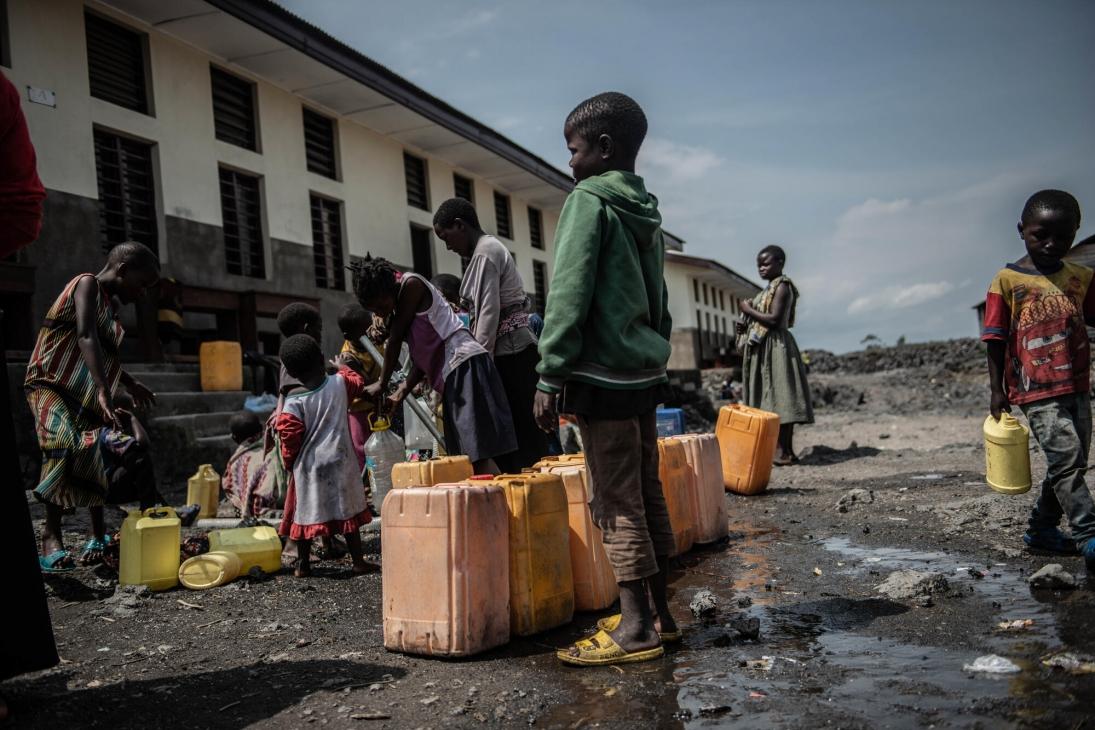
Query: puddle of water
[(825, 665)]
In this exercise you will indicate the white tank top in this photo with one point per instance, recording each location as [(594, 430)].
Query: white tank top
[(437, 339)]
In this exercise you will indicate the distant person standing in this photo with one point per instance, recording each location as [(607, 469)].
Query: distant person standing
[(775, 375), (494, 295), (27, 643)]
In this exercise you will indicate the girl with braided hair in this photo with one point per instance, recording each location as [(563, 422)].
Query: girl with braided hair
[(477, 416)]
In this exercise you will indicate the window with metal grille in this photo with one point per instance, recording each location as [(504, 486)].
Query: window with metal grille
[(127, 192), (501, 215), (539, 281), (319, 144), (422, 251), (5, 44), (414, 169), (707, 319), (705, 302), (696, 290), (241, 207), (116, 63), (327, 243), (234, 109), (722, 300), (463, 188), (536, 228)]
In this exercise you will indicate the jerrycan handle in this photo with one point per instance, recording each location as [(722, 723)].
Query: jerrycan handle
[(159, 513)]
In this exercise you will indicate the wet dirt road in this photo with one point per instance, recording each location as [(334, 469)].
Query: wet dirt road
[(831, 651)]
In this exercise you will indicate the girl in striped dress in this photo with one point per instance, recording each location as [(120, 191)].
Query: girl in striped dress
[(71, 378)]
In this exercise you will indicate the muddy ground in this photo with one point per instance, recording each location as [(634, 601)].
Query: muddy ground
[(832, 651)]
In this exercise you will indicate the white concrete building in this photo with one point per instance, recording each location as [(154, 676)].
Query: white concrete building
[(703, 300), (256, 154)]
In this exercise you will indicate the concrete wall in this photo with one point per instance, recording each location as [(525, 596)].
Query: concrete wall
[(48, 51)]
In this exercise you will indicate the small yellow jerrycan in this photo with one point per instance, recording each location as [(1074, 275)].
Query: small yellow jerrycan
[(1007, 455), (204, 489), (150, 549)]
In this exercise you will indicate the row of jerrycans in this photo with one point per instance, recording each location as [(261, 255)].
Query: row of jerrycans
[(516, 554)]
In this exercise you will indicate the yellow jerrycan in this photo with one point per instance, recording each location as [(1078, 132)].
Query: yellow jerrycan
[(150, 549), (209, 570), (221, 366), (204, 489), (1007, 455)]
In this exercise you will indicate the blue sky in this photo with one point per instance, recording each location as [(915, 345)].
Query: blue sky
[(888, 146)]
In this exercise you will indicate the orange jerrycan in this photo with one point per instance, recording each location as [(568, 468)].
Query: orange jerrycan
[(446, 570), (204, 489), (595, 585), (541, 581), (221, 365), (747, 439), (149, 550), (701, 451), (428, 473), (679, 494)]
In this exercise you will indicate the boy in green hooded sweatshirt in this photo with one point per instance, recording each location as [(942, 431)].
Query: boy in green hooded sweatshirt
[(603, 353)]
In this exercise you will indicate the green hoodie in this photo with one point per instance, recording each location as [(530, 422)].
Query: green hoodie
[(607, 320)]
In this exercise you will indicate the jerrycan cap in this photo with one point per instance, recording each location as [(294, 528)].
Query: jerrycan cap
[(379, 423)]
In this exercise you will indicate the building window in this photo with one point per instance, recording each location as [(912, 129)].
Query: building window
[(327, 243), (241, 208), (536, 228), (116, 63), (414, 169), (705, 298), (5, 44), (421, 251), (707, 322), (463, 188), (539, 280), (127, 192), (501, 215), (234, 109), (696, 290), (722, 300), (319, 144)]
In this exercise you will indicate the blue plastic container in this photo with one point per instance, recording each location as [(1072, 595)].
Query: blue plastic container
[(670, 422)]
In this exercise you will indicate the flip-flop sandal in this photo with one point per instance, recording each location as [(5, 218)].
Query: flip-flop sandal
[(91, 546), (49, 563), (600, 650), (611, 623)]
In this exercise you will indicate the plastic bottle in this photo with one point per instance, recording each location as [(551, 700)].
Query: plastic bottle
[(383, 451), (1007, 455)]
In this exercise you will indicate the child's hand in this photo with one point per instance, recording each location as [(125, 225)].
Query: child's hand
[(740, 327), (396, 399), (999, 404), (543, 410), (745, 306), (347, 360), (106, 403), (142, 395), (372, 391), (378, 330)]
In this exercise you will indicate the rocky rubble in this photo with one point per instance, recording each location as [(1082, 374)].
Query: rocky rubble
[(965, 355)]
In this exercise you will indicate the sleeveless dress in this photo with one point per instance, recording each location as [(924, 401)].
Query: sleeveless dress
[(475, 410), (63, 398), (774, 374)]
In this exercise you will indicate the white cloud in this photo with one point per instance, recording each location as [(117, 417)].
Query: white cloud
[(676, 163), (900, 297)]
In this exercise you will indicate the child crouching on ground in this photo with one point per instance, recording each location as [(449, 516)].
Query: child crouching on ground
[(325, 496), (477, 415), (248, 479), (1039, 359)]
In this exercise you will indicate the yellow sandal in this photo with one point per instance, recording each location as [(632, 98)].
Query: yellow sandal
[(610, 623), (600, 650)]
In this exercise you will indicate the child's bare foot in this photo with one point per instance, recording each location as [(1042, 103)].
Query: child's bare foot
[(303, 570)]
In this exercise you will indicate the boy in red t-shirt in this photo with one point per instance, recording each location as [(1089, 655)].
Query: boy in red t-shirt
[(1039, 359)]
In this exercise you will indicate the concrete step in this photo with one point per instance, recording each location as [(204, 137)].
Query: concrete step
[(167, 381), (220, 443), (196, 425), (161, 367), (175, 403)]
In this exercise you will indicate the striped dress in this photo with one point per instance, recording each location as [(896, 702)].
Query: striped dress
[(63, 398)]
